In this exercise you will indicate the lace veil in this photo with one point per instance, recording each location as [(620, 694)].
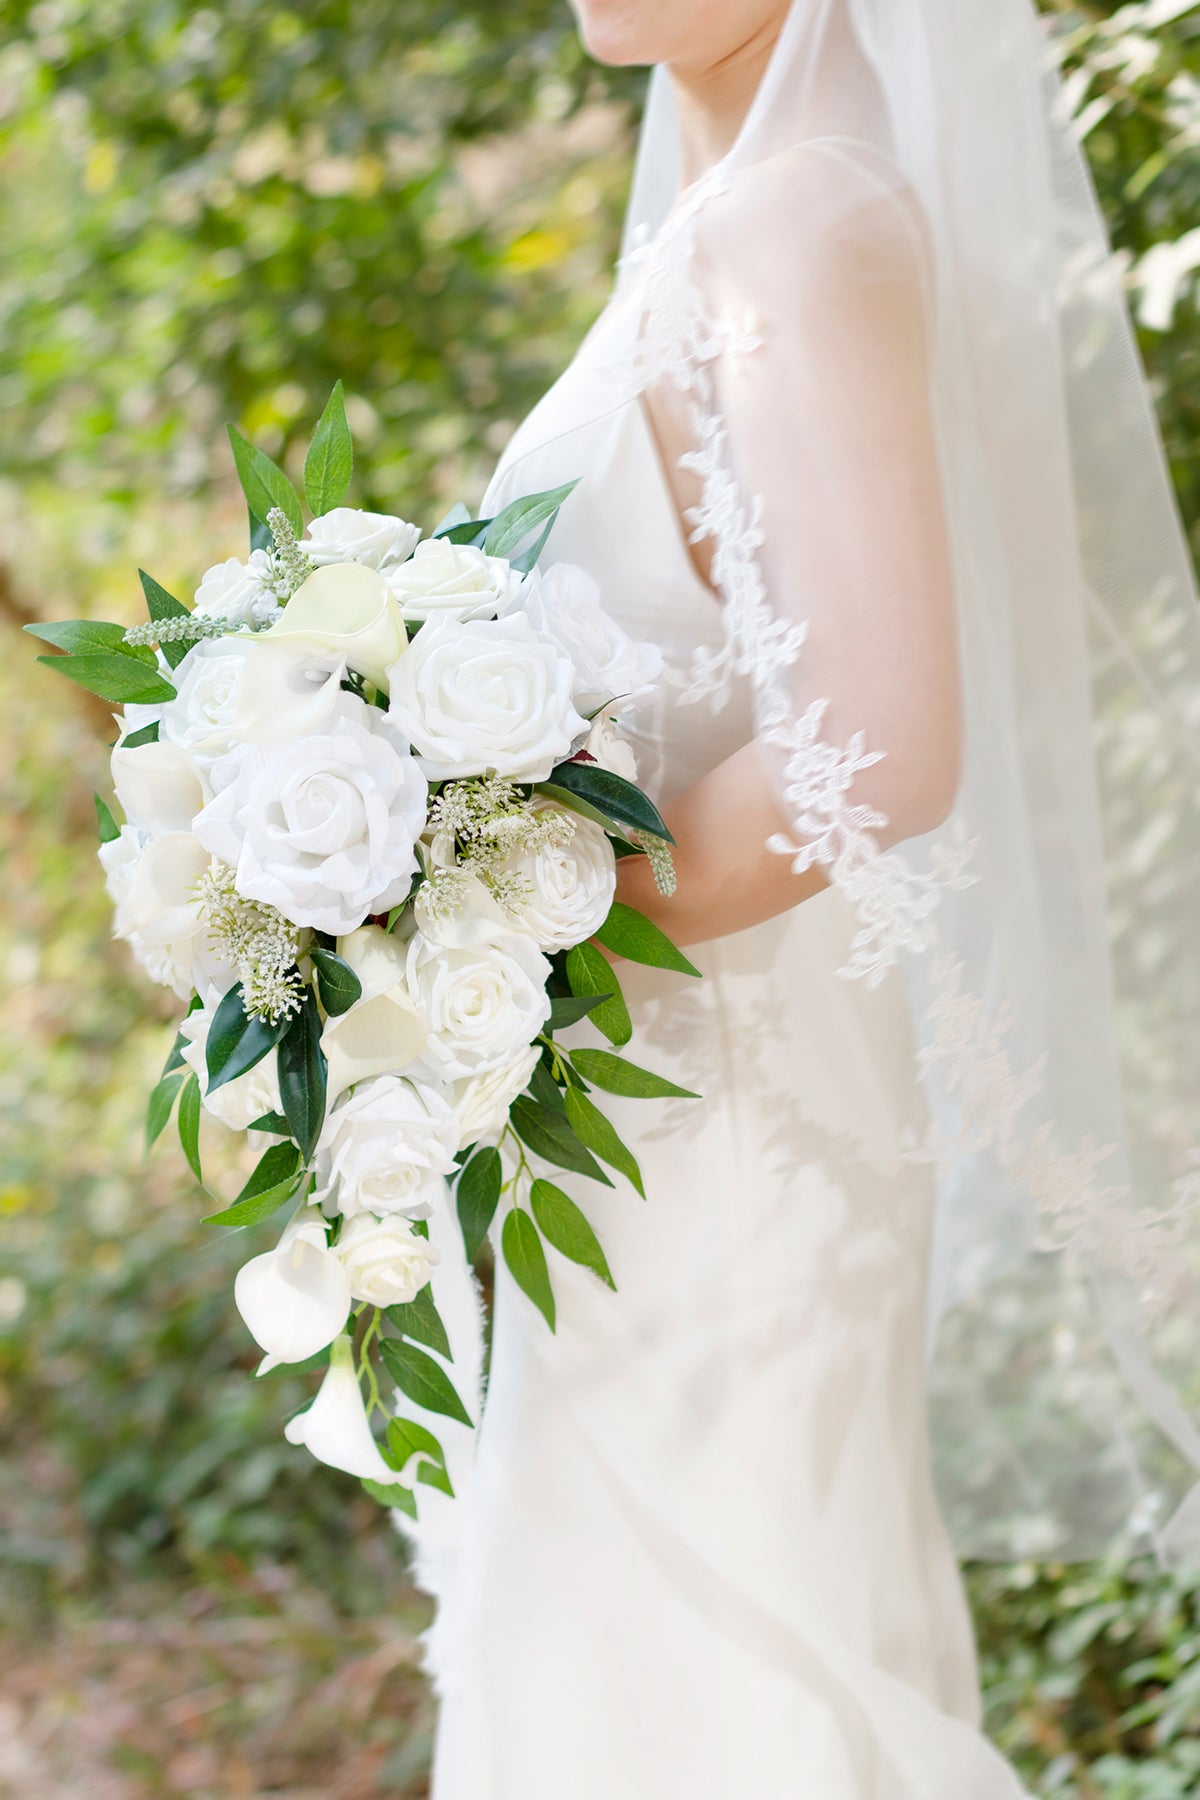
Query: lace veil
[(926, 465)]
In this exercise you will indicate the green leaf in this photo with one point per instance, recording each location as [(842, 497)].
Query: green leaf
[(522, 1248), (477, 1197), (590, 972), (85, 637), (528, 558), (611, 795), (161, 605), (338, 984), (189, 1124), (123, 680), (420, 1319), (406, 1439), (545, 1089), (458, 515), (175, 1059), (263, 483), (593, 1129), (161, 1105), (272, 1121), (564, 1227), (273, 1182), (147, 735), (237, 1040), (424, 1381), (392, 1494), (629, 933), (330, 460), (574, 803), (569, 1009), (550, 1136), (616, 1076), (106, 825), (510, 528), (303, 1075)]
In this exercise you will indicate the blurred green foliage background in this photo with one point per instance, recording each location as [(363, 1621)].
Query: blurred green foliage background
[(209, 214)]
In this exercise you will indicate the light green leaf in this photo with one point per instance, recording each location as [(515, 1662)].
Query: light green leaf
[(84, 637), (590, 972), (189, 1124), (406, 1439), (392, 1494), (510, 528), (629, 933), (564, 1227), (593, 1129), (105, 823), (161, 1105), (477, 1196), (272, 1182), (123, 680), (263, 483), (522, 1250), (330, 460), (147, 735), (550, 1136), (616, 1076), (420, 1319), (424, 1381)]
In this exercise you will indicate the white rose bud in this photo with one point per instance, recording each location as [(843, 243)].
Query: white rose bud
[(346, 609), (386, 1263), (458, 581), (346, 534), (563, 603), (386, 1148)]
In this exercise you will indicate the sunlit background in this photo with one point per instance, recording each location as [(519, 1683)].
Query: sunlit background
[(210, 214)]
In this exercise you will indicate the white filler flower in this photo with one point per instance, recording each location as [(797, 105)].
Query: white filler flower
[(294, 1299), (570, 887), (386, 1263), (386, 1149), (347, 534), (457, 581), (322, 827), (335, 1428), (485, 694), (482, 1004), (564, 605)]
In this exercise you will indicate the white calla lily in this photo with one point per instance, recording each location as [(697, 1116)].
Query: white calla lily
[(346, 608), (287, 690), (477, 918), (158, 785), (383, 1031), (294, 1299), (335, 1429)]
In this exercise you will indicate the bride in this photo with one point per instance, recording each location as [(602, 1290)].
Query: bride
[(861, 443)]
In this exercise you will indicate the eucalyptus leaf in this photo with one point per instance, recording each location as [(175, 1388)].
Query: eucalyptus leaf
[(477, 1197), (616, 1076), (522, 1250), (629, 933), (593, 1129), (550, 1136), (566, 1229), (303, 1075), (106, 825), (339, 986), (424, 1381), (420, 1319), (264, 484), (330, 460), (590, 973), (123, 680), (237, 1040), (162, 605)]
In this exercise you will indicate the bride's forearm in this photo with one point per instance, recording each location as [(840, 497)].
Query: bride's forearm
[(726, 878)]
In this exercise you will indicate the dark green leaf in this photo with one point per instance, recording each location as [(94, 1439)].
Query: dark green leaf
[(161, 605), (617, 1076), (522, 1248), (510, 528), (420, 1319), (611, 795), (545, 1089), (549, 1136), (237, 1040), (575, 803), (330, 460), (272, 1121), (161, 1105), (273, 1182), (593, 1129), (106, 825), (124, 680), (338, 984), (189, 1124), (424, 1381), (175, 1059), (263, 484), (590, 972), (392, 1494), (563, 1225), (568, 1010), (477, 1196), (629, 933), (84, 637), (147, 735), (303, 1075)]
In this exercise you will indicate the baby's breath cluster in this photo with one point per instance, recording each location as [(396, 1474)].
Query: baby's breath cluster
[(492, 822), (262, 945)]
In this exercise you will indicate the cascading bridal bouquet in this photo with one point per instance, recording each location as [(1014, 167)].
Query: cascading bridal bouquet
[(374, 791)]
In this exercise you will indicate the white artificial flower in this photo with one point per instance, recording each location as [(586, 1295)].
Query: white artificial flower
[(482, 1005), (386, 1262), (247, 1097), (345, 609), (457, 581), (335, 1428), (154, 884), (383, 1031), (386, 1148), (286, 691), (563, 603), (322, 827), (485, 694), (482, 1101), (201, 718), (294, 1299), (243, 593), (608, 749), (347, 534), (572, 885), (475, 918), (158, 785)]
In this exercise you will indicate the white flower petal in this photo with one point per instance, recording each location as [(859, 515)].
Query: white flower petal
[(334, 1429)]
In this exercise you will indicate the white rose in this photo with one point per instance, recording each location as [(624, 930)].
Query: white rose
[(609, 750), (485, 694), (573, 885), (201, 718), (564, 604), (347, 534), (159, 916), (241, 592), (386, 1263), (247, 1097), (383, 1031), (482, 1101), (482, 1005), (386, 1148), (453, 580), (345, 609), (323, 827), (294, 1299)]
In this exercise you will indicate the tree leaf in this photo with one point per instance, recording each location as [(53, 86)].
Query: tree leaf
[(147, 735), (522, 1249), (611, 795), (161, 1105), (264, 484), (593, 1129), (161, 605), (106, 825), (420, 1319), (510, 528), (590, 973), (616, 1076), (330, 460), (424, 1381), (272, 1182), (564, 1227), (86, 637), (237, 1040), (391, 1494), (477, 1197), (629, 933), (337, 983), (124, 680), (550, 1136), (303, 1075), (189, 1124)]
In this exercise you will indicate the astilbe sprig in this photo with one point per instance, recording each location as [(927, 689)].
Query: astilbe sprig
[(491, 822), (263, 946)]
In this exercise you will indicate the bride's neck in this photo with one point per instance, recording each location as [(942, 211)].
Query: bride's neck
[(712, 101)]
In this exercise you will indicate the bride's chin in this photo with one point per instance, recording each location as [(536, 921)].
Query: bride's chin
[(621, 32)]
